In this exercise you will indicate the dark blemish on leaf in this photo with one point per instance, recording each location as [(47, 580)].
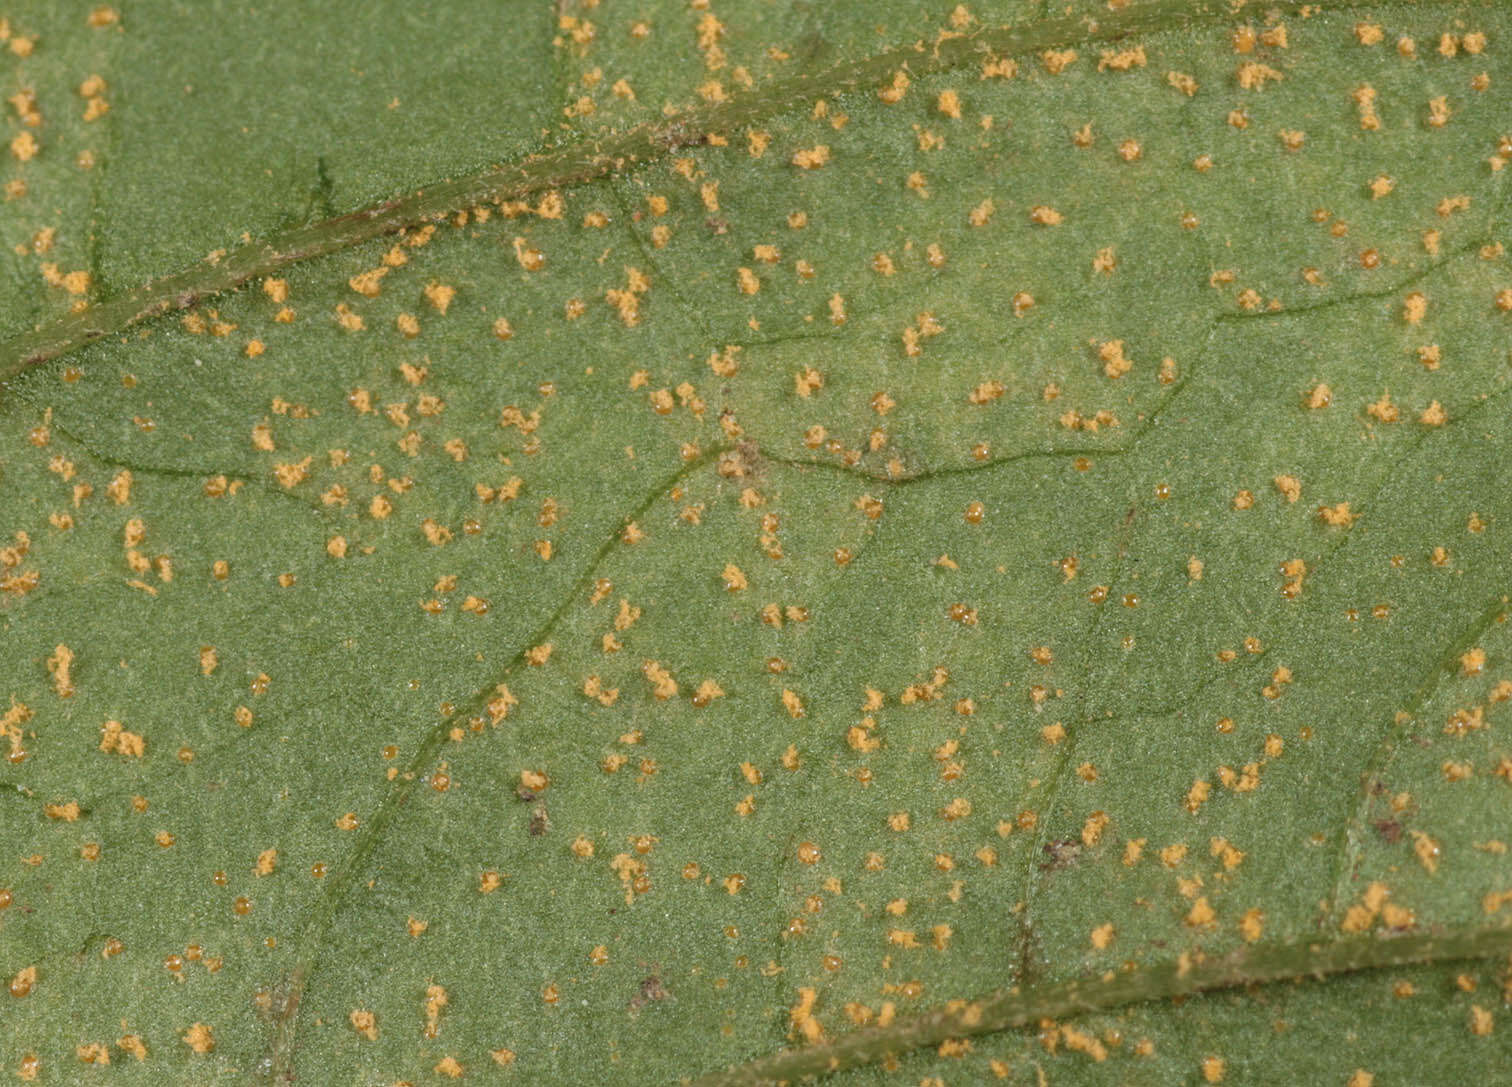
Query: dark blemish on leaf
[(754, 464), (650, 991), (1062, 853), (679, 135), (321, 194), (1389, 829), (540, 823)]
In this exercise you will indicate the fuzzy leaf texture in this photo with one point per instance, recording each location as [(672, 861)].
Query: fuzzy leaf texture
[(728, 542)]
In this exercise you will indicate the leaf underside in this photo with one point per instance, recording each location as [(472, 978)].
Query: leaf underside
[(914, 542)]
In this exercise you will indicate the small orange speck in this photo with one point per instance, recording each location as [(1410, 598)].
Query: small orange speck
[(200, 1037), (22, 982), (1414, 307), (1337, 515), (811, 158), (1252, 925), (534, 780), (364, 1023), (894, 91), (1482, 1022)]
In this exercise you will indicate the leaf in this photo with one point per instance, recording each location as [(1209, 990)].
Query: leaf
[(725, 543)]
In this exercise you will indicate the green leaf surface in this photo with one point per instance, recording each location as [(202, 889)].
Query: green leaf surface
[(728, 542)]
